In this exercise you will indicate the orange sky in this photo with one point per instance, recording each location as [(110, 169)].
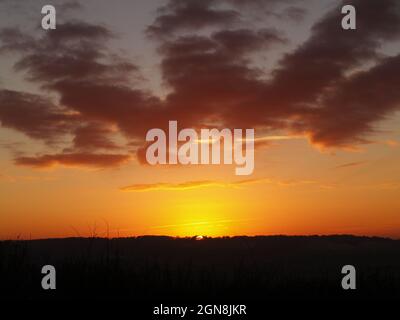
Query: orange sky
[(317, 194), (70, 160)]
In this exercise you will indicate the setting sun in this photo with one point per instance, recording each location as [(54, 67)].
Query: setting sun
[(75, 122), (221, 151)]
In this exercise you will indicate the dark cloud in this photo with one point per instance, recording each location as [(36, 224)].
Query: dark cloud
[(330, 52), (354, 105), (211, 77), (219, 66), (351, 164), (294, 13), (141, 153), (74, 58), (90, 160), (75, 51), (70, 58), (242, 41), (296, 98), (78, 30), (12, 39), (94, 136), (35, 116), (190, 15)]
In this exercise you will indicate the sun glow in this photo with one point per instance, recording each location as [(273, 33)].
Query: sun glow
[(195, 217)]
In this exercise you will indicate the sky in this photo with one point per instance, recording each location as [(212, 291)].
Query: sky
[(76, 103)]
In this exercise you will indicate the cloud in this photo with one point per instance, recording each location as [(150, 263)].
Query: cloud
[(146, 187), (67, 62), (207, 51), (267, 141), (75, 52), (392, 143), (187, 185), (35, 116), (294, 13), (222, 69), (89, 160), (351, 164), (190, 15), (356, 104), (94, 136), (172, 186), (309, 90), (209, 222)]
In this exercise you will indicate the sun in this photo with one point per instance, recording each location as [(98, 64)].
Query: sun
[(197, 216)]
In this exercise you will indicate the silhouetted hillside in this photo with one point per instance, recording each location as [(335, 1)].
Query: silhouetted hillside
[(164, 268)]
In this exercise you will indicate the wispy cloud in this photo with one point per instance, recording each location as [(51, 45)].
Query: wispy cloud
[(351, 164), (392, 143), (279, 138), (180, 186), (390, 185), (162, 186), (73, 160), (201, 223)]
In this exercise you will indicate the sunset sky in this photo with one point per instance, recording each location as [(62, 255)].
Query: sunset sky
[(76, 103)]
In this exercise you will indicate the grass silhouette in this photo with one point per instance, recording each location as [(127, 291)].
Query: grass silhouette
[(248, 268)]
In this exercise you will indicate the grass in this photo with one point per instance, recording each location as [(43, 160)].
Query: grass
[(163, 268)]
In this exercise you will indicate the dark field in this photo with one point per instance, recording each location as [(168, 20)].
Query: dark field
[(229, 269)]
